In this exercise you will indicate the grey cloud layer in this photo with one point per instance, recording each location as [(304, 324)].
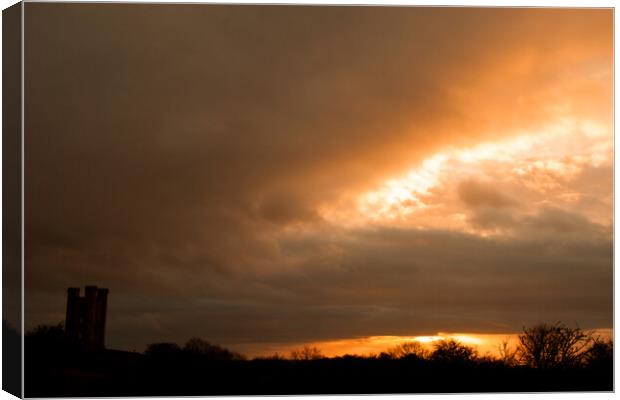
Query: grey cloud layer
[(388, 281)]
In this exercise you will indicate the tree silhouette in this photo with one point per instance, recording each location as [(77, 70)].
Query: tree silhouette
[(47, 338), (202, 368), (507, 355), (600, 354), (306, 353), (408, 349), (453, 352), (200, 348), (163, 349), (551, 346), (47, 332), (273, 357)]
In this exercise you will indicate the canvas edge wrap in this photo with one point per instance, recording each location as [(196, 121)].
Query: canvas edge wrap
[(12, 200)]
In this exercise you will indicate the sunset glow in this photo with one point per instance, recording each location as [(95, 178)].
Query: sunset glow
[(233, 199), (350, 177), (484, 344)]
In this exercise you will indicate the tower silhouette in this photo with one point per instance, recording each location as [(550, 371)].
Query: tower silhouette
[(85, 320)]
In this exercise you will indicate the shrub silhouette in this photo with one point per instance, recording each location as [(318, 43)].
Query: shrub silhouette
[(47, 339), (551, 346), (163, 349), (200, 348), (453, 352), (47, 333)]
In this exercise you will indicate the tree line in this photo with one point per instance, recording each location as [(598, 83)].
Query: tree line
[(542, 346), (545, 357)]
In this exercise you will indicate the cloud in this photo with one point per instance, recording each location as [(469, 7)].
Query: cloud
[(385, 281), (559, 221), (183, 162), (489, 219), (478, 194)]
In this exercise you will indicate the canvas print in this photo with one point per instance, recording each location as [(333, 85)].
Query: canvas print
[(286, 199)]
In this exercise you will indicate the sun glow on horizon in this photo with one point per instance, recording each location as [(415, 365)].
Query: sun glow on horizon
[(374, 345), (485, 344)]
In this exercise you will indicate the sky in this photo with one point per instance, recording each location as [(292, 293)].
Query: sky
[(268, 176)]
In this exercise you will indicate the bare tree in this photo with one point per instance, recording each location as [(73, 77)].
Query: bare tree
[(551, 346), (408, 349), (273, 357), (507, 355), (306, 353)]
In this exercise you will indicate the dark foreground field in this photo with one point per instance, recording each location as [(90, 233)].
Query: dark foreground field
[(114, 373)]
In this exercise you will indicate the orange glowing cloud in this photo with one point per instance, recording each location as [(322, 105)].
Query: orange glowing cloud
[(525, 172)]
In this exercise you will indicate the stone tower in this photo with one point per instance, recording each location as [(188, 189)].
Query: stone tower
[(85, 320)]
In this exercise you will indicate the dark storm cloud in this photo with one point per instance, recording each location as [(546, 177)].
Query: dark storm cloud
[(168, 146)]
